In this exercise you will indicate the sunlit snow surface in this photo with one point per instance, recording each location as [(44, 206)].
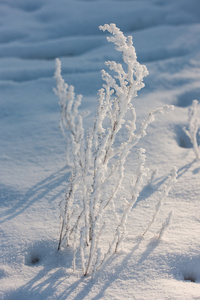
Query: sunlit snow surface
[(166, 35)]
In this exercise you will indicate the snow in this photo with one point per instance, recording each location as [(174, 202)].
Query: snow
[(32, 149)]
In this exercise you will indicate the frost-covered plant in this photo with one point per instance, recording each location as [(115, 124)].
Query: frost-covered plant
[(193, 127), (71, 121), (93, 203)]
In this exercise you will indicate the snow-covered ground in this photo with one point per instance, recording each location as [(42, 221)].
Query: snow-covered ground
[(166, 35)]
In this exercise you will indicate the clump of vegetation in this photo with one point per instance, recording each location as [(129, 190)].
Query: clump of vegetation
[(94, 192)]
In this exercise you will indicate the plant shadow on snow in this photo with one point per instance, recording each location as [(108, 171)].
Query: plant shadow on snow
[(186, 167), (51, 187), (53, 271), (196, 171), (182, 139), (186, 268), (105, 279), (149, 189), (119, 268), (52, 266), (44, 253)]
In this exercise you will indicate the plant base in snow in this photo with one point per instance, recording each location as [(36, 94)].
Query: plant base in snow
[(94, 212)]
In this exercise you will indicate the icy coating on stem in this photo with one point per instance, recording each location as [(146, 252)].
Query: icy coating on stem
[(98, 172)]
